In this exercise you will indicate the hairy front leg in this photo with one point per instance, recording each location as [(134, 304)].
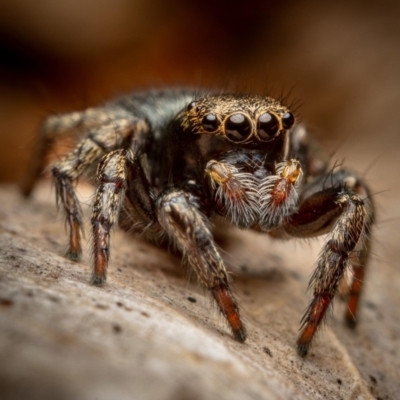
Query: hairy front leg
[(346, 215), (118, 173), (179, 215)]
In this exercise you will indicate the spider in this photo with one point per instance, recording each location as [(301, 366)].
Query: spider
[(169, 161)]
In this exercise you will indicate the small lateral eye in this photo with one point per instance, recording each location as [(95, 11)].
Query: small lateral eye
[(237, 127), (268, 126), (287, 120), (191, 105), (210, 123)]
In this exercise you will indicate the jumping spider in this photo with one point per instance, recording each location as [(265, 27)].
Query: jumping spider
[(169, 160)]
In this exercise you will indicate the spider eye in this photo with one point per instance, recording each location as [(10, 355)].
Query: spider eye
[(237, 127), (287, 120), (210, 123), (191, 105), (268, 126)]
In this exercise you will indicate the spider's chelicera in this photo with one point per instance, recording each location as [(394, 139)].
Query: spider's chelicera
[(172, 159)]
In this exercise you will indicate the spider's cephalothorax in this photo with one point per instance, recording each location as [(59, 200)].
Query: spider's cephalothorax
[(169, 160)]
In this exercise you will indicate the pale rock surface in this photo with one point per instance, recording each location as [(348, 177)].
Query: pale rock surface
[(151, 334)]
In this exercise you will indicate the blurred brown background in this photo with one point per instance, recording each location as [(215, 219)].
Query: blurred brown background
[(340, 60)]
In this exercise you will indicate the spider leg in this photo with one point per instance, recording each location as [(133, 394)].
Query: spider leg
[(341, 210), (86, 154), (139, 211), (56, 127), (179, 214), (119, 174)]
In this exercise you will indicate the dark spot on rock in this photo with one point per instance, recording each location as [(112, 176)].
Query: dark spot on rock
[(339, 381), (370, 305), (29, 293), (6, 302), (119, 270), (192, 299), (246, 292), (244, 268), (145, 314), (373, 379), (379, 315), (119, 304), (51, 240), (54, 299), (266, 350), (295, 275), (101, 306), (22, 250), (117, 328)]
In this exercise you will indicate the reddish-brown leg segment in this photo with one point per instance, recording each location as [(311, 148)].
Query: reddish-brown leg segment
[(180, 216), (65, 194), (88, 152), (357, 281), (112, 128), (119, 174), (109, 195), (227, 304), (345, 214)]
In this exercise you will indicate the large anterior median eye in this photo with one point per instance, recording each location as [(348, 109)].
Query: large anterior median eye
[(210, 123), (237, 127), (267, 127)]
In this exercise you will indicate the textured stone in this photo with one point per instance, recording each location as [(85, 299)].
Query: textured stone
[(151, 334)]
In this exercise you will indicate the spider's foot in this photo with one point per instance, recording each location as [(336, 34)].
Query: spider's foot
[(240, 335), (98, 280), (73, 255), (302, 350), (305, 339), (228, 306)]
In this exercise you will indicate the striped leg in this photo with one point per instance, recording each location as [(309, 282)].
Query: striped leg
[(85, 155), (119, 174), (179, 215), (348, 217)]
